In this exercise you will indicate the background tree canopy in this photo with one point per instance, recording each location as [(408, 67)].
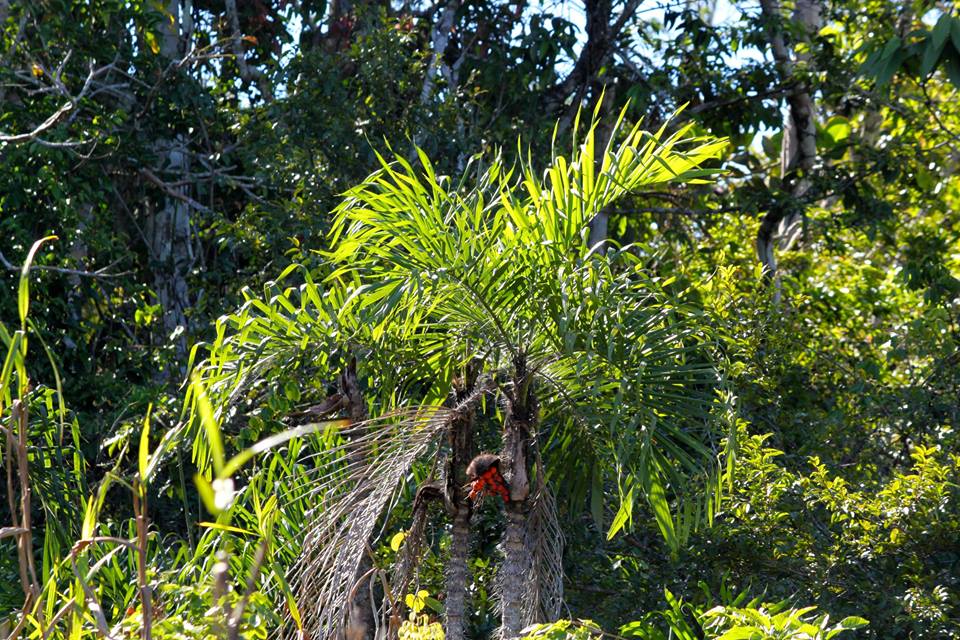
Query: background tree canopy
[(691, 268)]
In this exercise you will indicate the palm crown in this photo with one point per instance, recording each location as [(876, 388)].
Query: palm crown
[(598, 373)]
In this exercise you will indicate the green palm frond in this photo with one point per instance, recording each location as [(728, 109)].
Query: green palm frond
[(428, 273)]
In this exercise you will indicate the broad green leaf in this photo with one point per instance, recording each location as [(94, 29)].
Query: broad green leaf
[(838, 128), (941, 31), (854, 622)]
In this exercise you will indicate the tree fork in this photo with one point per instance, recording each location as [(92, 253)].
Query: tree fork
[(799, 148)]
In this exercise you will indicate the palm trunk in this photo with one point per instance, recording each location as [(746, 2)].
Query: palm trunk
[(461, 452), (519, 424), (513, 572), (458, 577)]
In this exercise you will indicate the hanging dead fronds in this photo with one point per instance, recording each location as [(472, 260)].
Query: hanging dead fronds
[(543, 587), (354, 483), (410, 554)]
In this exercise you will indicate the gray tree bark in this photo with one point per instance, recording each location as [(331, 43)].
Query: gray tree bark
[(168, 229), (457, 571), (799, 149), (517, 429), (247, 73)]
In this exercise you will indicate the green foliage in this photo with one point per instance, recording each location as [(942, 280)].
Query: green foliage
[(775, 623), (739, 620), (892, 540), (842, 396)]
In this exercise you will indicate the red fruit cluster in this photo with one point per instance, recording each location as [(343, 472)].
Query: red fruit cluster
[(488, 484)]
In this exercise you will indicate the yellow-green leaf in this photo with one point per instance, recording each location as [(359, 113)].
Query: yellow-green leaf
[(144, 453), (227, 527), (151, 39), (397, 540)]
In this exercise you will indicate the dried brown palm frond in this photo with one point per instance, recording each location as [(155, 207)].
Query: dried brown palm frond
[(543, 588), (353, 485)]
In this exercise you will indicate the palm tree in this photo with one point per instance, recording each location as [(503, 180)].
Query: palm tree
[(596, 372)]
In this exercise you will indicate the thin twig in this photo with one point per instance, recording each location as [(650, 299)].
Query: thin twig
[(99, 273), (236, 618)]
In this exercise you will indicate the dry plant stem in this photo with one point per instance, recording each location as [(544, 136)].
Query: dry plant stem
[(139, 509), (354, 494), (393, 624), (93, 605), (12, 504), (55, 619), (28, 572), (23, 620), (237, 615), (410, 554)]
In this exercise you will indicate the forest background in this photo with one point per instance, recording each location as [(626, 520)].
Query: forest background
[(189, 156)]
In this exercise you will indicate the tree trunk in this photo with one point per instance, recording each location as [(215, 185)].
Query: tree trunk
[(602, 32), (600, 223), (248, 73), (799, 150), (513, 573), (518, 426), (168, 229), (458, 574)]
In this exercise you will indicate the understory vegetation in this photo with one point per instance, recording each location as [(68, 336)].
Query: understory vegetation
[(473, 319)]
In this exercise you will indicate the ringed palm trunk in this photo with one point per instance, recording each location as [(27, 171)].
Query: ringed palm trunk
[(458, 574), (519, 424)]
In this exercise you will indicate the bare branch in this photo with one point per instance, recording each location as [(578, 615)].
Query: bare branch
[(601, 36), (99, 273), (171, 191), (247, 73), (64, 109), (46, 124)]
